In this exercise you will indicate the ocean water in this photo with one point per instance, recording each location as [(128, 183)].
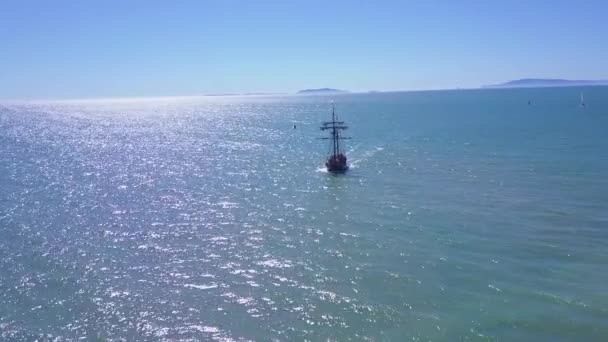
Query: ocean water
[(466, 215)]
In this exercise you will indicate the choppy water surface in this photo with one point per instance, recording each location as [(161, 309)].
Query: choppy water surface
[(467, 215)]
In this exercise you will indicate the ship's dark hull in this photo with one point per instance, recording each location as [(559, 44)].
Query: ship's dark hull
[(337, 169), (337, 163)]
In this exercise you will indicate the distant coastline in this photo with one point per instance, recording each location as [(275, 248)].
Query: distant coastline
[(244, 94), (321, 91), (546, 82)]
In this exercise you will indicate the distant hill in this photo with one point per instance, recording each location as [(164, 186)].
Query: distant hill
[(256, 94), (321, 91), (546, 82), (243, 94)]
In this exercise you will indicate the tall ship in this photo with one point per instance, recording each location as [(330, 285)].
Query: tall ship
[(336, 162)]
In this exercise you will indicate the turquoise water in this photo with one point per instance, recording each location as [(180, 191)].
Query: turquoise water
[(466, 215)]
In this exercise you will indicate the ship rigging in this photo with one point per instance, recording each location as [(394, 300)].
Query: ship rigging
[(337, 161)]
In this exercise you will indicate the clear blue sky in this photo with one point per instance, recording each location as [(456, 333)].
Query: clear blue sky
[(72, 49)]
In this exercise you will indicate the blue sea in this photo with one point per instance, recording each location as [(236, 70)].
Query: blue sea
[(466, 215)]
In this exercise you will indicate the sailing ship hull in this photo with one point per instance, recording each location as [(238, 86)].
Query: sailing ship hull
[(336, 163)]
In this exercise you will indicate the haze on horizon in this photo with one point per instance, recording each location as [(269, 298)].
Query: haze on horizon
[(76, 49)]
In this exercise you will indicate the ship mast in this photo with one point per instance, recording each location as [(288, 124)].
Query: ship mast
[(335, 127), (336, 133)]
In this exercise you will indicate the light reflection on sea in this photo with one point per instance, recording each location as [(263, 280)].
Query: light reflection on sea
[(194, 218)]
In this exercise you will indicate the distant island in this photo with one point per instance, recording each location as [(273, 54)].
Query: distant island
[(547, 82), (321, 91), (244, 94), (257, 94)]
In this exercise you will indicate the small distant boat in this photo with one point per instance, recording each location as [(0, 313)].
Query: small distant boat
[(337, 161), (582, 100)]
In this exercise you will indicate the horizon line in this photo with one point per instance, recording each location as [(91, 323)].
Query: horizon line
[(227, 94), (339, 92)]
